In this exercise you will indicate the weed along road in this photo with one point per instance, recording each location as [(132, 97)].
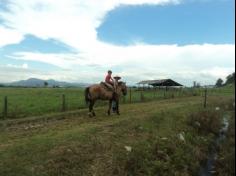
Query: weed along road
[(146, 139)]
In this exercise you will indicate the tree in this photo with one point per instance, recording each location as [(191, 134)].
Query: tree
[(45, 84), (219, 82), (198, 85), (230, 79)]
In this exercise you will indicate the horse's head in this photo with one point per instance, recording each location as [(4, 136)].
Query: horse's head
[(123, 87)]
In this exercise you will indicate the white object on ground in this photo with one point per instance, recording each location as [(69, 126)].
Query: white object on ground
[(181, 136), (128, 148)]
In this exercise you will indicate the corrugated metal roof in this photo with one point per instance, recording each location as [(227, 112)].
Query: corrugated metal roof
[(160, 82), (152, 81)]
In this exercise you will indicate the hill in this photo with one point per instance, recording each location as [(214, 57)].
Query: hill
[(34, 82)]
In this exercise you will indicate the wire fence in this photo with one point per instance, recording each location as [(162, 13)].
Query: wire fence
[(35, 102)]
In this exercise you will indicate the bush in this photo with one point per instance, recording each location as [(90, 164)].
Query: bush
[(206, 121)]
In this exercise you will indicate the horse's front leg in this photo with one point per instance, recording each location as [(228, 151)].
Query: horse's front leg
[(109, 107), (117, 108)]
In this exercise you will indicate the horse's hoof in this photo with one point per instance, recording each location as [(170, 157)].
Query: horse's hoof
[(90, 115), (94, 114)]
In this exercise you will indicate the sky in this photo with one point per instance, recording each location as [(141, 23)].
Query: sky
[(79, 40)]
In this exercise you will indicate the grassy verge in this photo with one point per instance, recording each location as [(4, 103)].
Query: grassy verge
[(225, 165)]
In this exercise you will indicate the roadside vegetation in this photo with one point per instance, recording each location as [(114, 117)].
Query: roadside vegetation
[(226, 159)]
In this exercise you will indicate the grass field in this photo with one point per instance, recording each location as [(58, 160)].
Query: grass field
[(26, 102), (159, 135), (144, 140)]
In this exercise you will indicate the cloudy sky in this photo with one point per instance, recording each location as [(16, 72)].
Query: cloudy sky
[(79, 40)]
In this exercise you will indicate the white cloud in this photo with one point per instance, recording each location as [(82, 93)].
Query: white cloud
[(203, 63), (23, 66), (11, 73), (9, 36), (218, 72), (130, 75), (64, 61), (74, 23)]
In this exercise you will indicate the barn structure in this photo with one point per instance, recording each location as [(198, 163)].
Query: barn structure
[(159, 83)]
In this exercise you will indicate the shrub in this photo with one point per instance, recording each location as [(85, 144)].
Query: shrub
[(206, 121)]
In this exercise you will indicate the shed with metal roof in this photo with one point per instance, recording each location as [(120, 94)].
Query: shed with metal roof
[(160, 83)]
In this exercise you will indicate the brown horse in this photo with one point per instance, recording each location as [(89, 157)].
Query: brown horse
[(99, 92)]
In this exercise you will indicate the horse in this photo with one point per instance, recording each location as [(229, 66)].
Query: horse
[(100, 92)]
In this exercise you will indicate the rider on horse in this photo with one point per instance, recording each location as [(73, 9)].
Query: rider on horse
[(111, 81), (108, 78), (114, 84), (106, 91)]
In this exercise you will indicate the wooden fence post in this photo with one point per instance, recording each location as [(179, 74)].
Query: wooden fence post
[(154, 93), (124, 99), (130, 95), (141, 96), (205, 98), (63, 103), (5, 108)]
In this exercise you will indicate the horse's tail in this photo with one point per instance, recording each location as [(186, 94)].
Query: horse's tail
[(87, 95)]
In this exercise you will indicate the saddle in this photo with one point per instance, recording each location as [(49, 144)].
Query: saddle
[(107, 86)]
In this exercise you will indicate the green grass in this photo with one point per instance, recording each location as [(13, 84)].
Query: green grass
[(37, 101), (78, 145), (26, 102)]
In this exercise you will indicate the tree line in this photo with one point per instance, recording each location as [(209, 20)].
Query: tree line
[(230, 79)]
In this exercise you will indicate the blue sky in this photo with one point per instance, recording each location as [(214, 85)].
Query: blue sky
[(78, 40), (188, 23)]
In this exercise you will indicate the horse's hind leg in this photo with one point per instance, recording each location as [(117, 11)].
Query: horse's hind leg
[(91, 111), (94, 113), (91, 108)]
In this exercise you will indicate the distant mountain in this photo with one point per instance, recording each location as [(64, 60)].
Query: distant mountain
[(34, 82)]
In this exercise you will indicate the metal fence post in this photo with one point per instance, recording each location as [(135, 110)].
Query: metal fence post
[(130, 95), (5, 108), (205, 98), (63, 103)]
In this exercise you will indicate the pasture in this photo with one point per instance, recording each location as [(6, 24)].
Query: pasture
[(27, 102)]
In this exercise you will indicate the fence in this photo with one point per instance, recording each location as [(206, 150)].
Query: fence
[(33, 102)]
